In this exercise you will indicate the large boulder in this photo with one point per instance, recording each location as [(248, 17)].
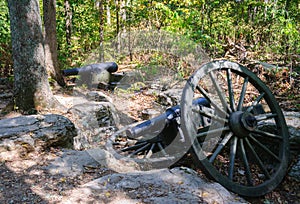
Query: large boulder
[(94, 116), (178, 185), (94, 121), (24, 134)]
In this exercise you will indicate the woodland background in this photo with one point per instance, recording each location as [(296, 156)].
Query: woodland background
[(267, 29), (247, 31)]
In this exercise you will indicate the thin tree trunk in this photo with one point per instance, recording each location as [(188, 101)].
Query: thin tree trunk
[(129, 30), (123, 12), (108, 15), (286, 37), (202, 17), (117, 26), (68, 15), (51, 61), (101, 31)]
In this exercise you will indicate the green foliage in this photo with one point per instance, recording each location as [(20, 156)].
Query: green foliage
[(84, 32), (4, 23), (264, 27), (5, 48)]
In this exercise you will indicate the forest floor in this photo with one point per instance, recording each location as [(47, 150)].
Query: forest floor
[(25, 180)]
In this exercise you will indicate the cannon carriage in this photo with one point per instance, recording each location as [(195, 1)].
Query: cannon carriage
[(228, 121)]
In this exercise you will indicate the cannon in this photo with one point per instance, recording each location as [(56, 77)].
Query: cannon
[(155, 124), (228, 122), (93, 74)]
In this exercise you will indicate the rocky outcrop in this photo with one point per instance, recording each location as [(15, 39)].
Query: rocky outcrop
[(178, 185), (95, 117), (24, 134)]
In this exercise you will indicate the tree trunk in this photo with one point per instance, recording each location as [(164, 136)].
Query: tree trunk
[(51, 41), (68, 14), (31, 87), (123, 12), (101, 30), (108, 15), (117, 26), (285, 42), (129, 4)]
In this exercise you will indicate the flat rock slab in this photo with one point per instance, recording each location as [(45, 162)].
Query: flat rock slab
[(178, 185), (24, 134), (72, 163)]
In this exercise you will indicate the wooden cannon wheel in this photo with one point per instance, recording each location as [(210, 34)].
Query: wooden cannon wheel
[(246, 146), (240, 139)]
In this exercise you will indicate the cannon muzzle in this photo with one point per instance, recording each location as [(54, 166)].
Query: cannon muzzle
[(155, 125), (92, 68), (94, 74)]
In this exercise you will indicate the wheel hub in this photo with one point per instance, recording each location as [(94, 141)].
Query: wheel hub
[(242, 123)]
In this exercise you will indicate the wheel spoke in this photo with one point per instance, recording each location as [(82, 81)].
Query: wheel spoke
[(162, 149), (140, 149), (203, 129), (219, 91), (230, 90), (233, 147), (205, 94), (257, 100), (220, 146), (150, 152), (182, 138), (267, 134), (201, 134), (134, 147), (242, 96), (264, 148), (259, 162), (246, 163), (265, 116)]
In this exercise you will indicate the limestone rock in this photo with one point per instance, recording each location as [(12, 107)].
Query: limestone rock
[(72, 162), (170, 97), (25, 134), (178, 185), (95, 120)]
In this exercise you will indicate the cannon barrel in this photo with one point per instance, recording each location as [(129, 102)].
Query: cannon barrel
[(108, 66), (155, 125)]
